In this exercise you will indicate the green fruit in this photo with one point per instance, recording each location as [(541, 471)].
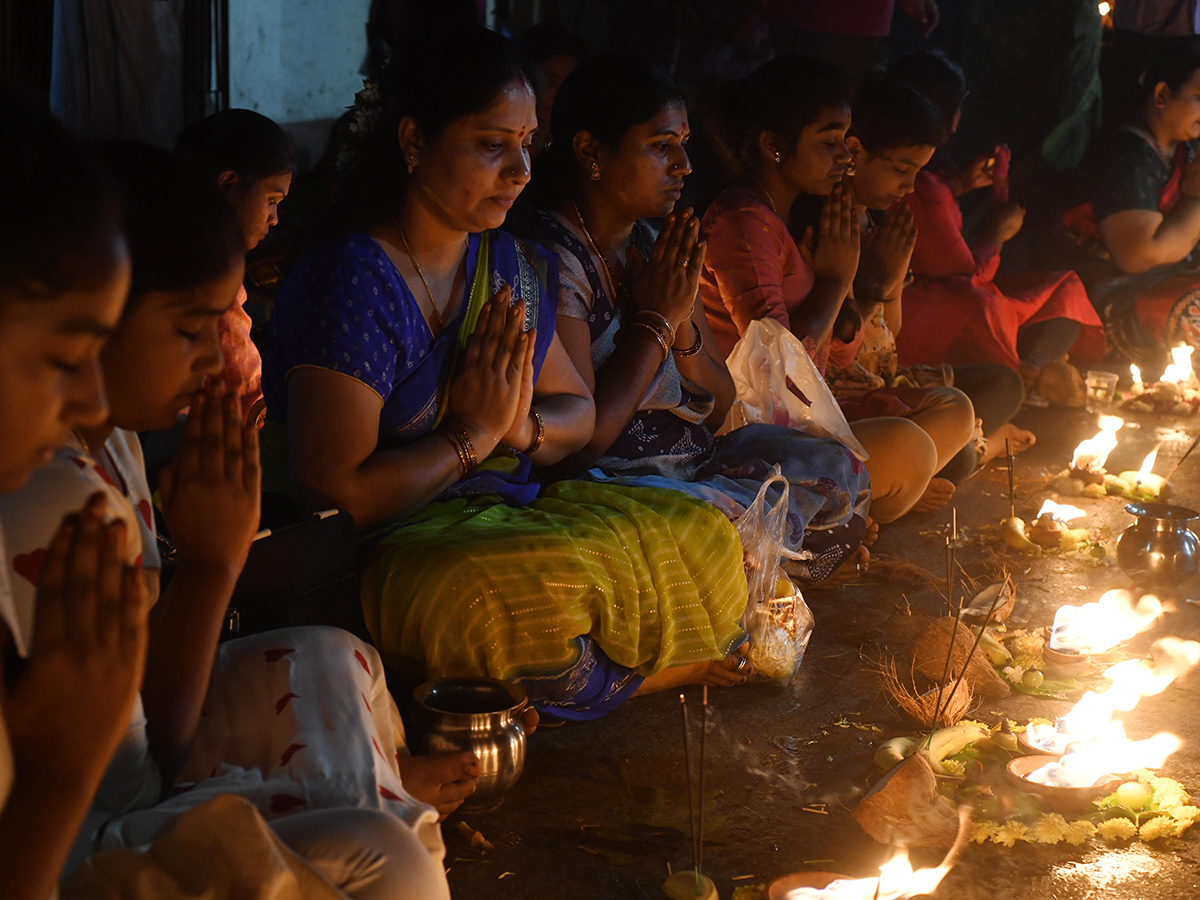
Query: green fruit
[(1133, 795), (1032, 679), (1005, 740)]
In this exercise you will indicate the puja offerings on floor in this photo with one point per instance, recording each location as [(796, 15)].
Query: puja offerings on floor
[(1177, 391)]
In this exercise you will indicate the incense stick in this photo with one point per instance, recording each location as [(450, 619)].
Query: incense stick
[(1182, 458), (1012, 497), (957, 613), (687, 765), (700, 799), (970, 653)]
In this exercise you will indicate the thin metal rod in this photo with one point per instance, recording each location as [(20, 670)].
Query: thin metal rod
[(1012, 497), (1182, 458), (987, 620), (700, 799), (687, 765)]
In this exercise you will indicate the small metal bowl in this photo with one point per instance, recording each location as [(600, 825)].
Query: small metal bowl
[(1067, 800)]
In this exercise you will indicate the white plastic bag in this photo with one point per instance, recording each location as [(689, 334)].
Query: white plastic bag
[(778, 384), (777, 619)]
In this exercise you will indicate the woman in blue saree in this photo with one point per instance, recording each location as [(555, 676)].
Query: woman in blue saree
[(413, 378)]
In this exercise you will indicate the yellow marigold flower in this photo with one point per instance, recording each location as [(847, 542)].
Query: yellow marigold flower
[(1050, 829), (985, 831), (1168, 792), (1160, 827), (1186, 814), (1011, 832), (1118, 829), (1079, 831), (1026, 648)]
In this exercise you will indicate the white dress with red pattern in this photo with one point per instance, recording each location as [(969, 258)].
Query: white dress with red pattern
[(295, 720)]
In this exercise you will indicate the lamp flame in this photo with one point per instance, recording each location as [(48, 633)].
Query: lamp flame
[(1100, 626), (1092, 454), (1059, 512), (1092, 743), (1148, 464), (1136, 374), (897, 880), (1104, 8), (1179, 370)]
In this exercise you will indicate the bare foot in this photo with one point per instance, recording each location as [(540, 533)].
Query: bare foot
[(443, 781), (871, 534), (1020, 440), (851, 569), (719, 673), (937, 494)]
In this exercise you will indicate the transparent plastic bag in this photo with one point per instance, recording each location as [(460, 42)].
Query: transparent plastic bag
[(777, 619), (778, 384)]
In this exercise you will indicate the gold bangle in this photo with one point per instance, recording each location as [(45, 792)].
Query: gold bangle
[(461, 440), (658, 336), (656, 318), (695, 348), (539, 436)]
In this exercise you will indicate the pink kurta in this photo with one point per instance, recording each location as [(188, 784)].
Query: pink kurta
[(752, 269), (959, 311)]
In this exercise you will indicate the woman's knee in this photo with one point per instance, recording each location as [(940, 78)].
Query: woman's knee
[(365, 853), (903, 458)]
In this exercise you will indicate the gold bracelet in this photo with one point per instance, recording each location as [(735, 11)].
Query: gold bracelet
[(695, 348), (461, 440), (539, 436), (656, 318), (658, 336)]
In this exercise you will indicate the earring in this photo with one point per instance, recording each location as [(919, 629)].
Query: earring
[(595, 172), (410, 163), (778, 157)]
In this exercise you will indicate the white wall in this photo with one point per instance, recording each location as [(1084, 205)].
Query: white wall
[(296, 59)]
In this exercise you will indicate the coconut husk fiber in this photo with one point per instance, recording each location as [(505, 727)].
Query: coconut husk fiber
[(920, 707), (905, 809), (1060, 384), (931, 648)]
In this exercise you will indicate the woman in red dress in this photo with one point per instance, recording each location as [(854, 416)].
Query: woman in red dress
[(959, 308)]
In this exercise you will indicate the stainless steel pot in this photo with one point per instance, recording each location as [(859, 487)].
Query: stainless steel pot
[(1159, 549), (481, 715)]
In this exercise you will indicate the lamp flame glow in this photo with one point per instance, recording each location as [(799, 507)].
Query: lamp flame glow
[(1092, 743), (1179, 370), (1100, 626), (1104, 8), (1092, 454), (1136, 374), (1060, 512), (897, 880), (1148, 464)]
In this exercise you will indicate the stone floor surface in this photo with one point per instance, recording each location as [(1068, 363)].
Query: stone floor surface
[(601, 810)]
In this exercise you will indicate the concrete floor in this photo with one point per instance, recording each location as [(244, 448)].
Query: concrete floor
[(601, 810)]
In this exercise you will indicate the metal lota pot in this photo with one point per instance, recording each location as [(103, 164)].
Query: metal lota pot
[(1159, 549), (481, 715)]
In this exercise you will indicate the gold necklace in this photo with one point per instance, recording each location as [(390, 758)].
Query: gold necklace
[(766, 193), (612, 282), (438, 325)]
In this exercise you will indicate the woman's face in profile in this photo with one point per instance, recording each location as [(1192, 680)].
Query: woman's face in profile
[(471, 175), (1181, 112), (819, 159)]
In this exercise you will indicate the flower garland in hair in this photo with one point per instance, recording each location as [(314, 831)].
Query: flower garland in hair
[(357, 129)]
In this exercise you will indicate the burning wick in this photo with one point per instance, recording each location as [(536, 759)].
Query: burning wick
[(1179, 370), (1047, 529), (1092, 742), (1145, 483), (1091, 454), (1100, 626), (1136, 374)]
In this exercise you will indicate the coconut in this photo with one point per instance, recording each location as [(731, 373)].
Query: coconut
[(905, 809), (932, 647), (922, 706), (1060, 384)]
